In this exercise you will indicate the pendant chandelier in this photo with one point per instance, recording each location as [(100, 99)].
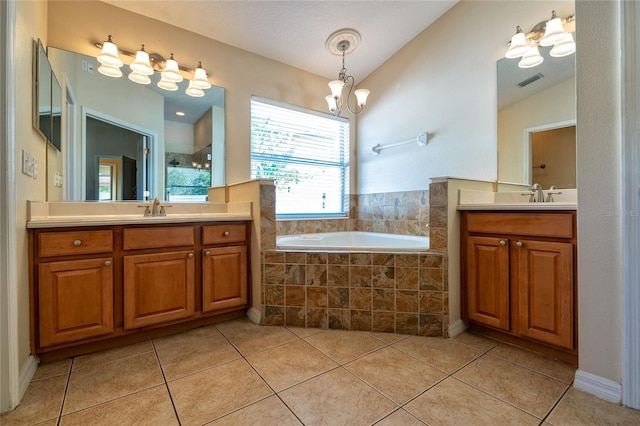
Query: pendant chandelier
[(343, 42)]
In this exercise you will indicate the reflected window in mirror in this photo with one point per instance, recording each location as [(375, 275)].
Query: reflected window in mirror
[(187, 184), (532, 100)]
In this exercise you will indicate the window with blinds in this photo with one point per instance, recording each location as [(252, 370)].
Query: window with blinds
[(306, 153)]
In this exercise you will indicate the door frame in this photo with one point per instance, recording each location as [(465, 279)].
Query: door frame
[(152, 169), (10, 387), (528, 142)]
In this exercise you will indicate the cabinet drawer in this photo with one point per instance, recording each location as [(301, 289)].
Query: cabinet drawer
[(559, 225), (74, 242), (158, 237), (220, 234)]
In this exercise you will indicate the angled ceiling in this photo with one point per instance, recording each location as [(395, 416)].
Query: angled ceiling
[(295, 31)]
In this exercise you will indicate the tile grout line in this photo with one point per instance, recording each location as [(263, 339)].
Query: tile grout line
[(64, 395), (263, 379), (544, 419), (166, 384), (495, 396), (531, 369)]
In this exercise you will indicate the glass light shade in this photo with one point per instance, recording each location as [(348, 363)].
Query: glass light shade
[(553, 32), (564, 47), (200, 78), (518, 46), (331, 101), (194, 91), (171, 71), (336, 88), (138, 77), (361, 96), (531, 58), (141, 64), (109, 54), (165, 84), (110, 71)]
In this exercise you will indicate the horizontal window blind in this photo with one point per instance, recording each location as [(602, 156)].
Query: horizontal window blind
[(306, 153)]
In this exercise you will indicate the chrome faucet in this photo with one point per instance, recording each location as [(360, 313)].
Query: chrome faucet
[(537, 190), (154, 208)]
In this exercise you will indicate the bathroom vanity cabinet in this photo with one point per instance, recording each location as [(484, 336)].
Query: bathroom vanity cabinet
[(519, 278), (100, 286)]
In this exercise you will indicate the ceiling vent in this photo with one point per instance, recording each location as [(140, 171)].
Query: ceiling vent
[(530, 80)]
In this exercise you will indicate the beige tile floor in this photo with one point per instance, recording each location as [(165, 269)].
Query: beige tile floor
[(238, 373)]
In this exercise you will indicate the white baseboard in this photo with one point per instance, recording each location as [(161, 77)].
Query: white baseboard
[(598, 386), (254, 315), (27, 373), (457, 327)]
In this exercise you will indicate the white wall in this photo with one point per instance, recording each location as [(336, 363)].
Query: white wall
[(31, 22), (178, 137), (443, 82), (599, 188)]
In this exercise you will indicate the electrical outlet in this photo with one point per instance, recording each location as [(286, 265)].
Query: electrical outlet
[(27, 163), (85, 65)]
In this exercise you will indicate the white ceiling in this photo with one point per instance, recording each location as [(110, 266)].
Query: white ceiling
[(295, 31)]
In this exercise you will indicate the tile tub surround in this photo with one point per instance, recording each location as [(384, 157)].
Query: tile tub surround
[(381, 292), (404, 213), (294, 376)]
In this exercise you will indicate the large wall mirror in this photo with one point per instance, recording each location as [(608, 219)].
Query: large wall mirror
[(47, 99), (129, 141), (537, 122)]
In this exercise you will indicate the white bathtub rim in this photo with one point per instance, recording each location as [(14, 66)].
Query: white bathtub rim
[(319, 242)]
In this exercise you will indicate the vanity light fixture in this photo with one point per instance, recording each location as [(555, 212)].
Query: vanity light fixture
[(141, 64), (556, 32), (343, 42), (194, 91), (171, 71), (199, 166), (144, 65), (200, 78), (138, 77), (109, 54)]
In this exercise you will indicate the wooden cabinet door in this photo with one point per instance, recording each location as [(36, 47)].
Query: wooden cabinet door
[(224, 278), (158, 287), (545, 291), (488, 281), (75, 300)]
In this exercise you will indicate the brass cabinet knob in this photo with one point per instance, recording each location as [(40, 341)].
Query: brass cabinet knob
[(519, 244), (207, 253), (503, 243), (107, 263), (190, 255), (77, 242), (226, 233)]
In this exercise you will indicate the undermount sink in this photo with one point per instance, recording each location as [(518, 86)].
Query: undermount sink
[(563, 199)]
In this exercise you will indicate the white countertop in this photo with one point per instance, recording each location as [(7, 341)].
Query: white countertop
[(89, 213), (485, 200)]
